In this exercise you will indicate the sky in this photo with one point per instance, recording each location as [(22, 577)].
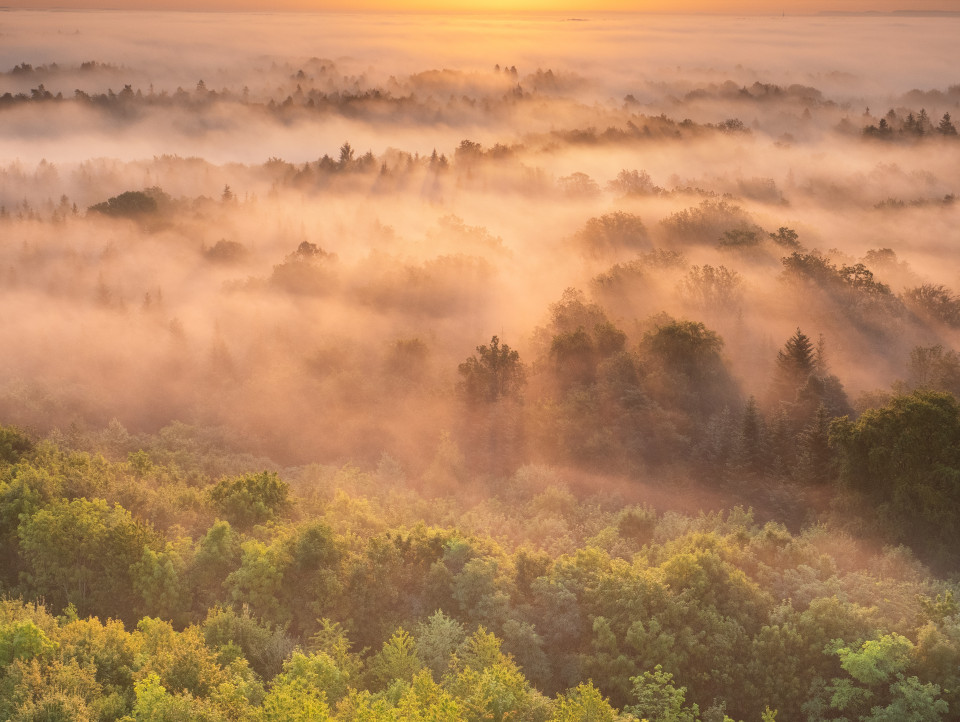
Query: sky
[(673, 6)]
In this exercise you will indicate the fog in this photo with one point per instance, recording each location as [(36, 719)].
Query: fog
[(322, 249)]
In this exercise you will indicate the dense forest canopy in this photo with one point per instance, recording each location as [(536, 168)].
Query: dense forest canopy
[(499, 390)]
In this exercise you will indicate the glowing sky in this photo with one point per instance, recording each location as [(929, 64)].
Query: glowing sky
[(662, 6)]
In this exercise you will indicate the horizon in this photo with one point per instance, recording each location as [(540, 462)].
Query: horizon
[(531, 7)]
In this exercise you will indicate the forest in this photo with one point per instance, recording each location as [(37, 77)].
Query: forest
[(381, 385)]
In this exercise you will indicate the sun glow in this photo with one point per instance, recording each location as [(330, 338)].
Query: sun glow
[(720, 7)]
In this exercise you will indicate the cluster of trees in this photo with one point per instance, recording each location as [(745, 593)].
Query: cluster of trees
[(320, 88), (595, 389), (893, 127), (145, 588), (761, 92), (419, 96)]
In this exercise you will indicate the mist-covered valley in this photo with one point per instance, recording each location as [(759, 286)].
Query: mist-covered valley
[(554, 287)]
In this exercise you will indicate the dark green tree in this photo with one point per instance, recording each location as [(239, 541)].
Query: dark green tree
[(814, 456), (494, 373), (946, 126), (903, 461), (802, 382), (83, 552), (688, 370), (132, 204), (749, 458), (795, 363), (13, 444)]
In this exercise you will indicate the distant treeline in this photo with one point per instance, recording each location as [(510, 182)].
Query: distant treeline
[(319, 88)]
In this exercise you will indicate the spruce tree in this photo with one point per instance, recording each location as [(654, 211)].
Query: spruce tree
[(946, 126), (795, 362)]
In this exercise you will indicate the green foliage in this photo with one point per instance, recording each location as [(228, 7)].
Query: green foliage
[(398, 660), (250, 499), (584, 703), (304, 687), (216, 554), (14, 444), (331, 640), (156, 704), (658, 700), (691, 372), (106, 648), (297, 701), (905, 458), (426, 700), (877, 660), (490, 685), (82, 552), (159, 578), (671, 617), (264, 647), (25, 641), (879, 689), (258, 580), (437, 639)]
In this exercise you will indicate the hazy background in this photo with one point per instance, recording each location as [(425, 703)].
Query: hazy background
[(351, 350)]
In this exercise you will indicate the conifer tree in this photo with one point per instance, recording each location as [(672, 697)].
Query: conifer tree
[(795, 362), (946, 126)]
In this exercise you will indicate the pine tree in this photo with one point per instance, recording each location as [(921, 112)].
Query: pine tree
[(718, 441), (749, 458), (815, 458), (795, 362), (820, 357), (781, 444), (910, 124), (946, 126)]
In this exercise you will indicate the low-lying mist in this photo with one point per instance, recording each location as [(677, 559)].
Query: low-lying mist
[(300, 228)]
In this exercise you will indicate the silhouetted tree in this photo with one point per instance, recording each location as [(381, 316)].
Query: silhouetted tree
[(786, 237), (749, 457), (494, 373), (814, 456), (689, 371), (946, 126), (802, 381), (795, 363)]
